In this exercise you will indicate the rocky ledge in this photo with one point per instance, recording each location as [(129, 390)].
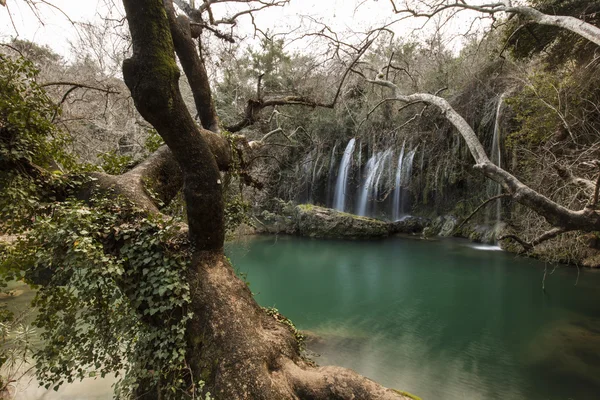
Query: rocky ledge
[(320, 222)]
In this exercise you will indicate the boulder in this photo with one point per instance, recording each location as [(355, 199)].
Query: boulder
[(448, 226), (269, 222), (320, 222), (409, 225)]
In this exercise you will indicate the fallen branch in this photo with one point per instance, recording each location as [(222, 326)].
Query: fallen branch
[(500, 196), (527, 246)]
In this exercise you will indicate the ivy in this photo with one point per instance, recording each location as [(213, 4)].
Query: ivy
[(112, 297), (115, 164), (273, 312)]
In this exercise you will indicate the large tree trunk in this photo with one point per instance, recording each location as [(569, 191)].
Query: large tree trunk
[(233, 345)]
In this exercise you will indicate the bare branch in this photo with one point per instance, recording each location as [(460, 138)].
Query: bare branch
[(528, 246), (500, 196), (254, 106), (578, 26), (560, 217)]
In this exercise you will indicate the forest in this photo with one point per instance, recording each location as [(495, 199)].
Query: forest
[(287, 199)]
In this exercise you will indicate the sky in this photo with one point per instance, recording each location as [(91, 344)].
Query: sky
[(51, 27)]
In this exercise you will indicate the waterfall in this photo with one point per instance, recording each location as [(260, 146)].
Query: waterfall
[(339, 200), (365, 189), (359, 159), (496, 158), (380, 171), (403, 175), (398, 187), (407, 166)]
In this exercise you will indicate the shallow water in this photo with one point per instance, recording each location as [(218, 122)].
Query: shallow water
[(442, 320)]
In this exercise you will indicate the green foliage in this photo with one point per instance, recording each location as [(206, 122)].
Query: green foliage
[(273, 63), (535, 120), (30, 145), (236, 212), (112, 295), (115, 164), (153, 141), (27, 135)]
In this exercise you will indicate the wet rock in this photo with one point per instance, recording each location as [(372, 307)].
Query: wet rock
[(434, 228), (269, 222), (409, 225)]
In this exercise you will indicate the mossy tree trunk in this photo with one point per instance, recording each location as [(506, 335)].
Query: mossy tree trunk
[(233, 345)]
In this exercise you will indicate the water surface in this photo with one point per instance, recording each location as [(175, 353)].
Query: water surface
[(442, 320)]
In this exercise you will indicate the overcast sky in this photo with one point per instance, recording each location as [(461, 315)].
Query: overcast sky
[(341, 15)]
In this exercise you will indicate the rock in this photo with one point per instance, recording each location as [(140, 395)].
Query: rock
[(434, 228), (320, 222), (409, 225), (448, 226), (269, 222)]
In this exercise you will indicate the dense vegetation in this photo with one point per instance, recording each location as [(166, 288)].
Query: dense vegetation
[(125, 287)]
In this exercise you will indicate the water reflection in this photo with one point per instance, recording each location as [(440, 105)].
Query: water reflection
[(440, 319)]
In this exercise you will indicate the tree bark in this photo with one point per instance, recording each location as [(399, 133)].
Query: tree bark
[(233, 345), (194, 68)]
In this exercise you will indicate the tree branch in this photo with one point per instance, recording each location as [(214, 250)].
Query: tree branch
[(193, 67), (578, 26), (528, 246), (255, 106), (500, 196), (560, 217)]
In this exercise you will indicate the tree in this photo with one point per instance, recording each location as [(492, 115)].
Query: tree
[(123, 287), (156, 297), (258, 357)]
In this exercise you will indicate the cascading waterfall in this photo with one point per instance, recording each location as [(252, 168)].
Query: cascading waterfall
[(365, 189), (398, 187), (496, 158), (339, 200), (383, 179), (385, 158), (359, 159), (407, 166)]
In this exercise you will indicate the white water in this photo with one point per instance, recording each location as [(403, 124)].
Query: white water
[(381, 169), (398, 187), (496, 153), (339, 200), (485, 247), (365, 189)]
